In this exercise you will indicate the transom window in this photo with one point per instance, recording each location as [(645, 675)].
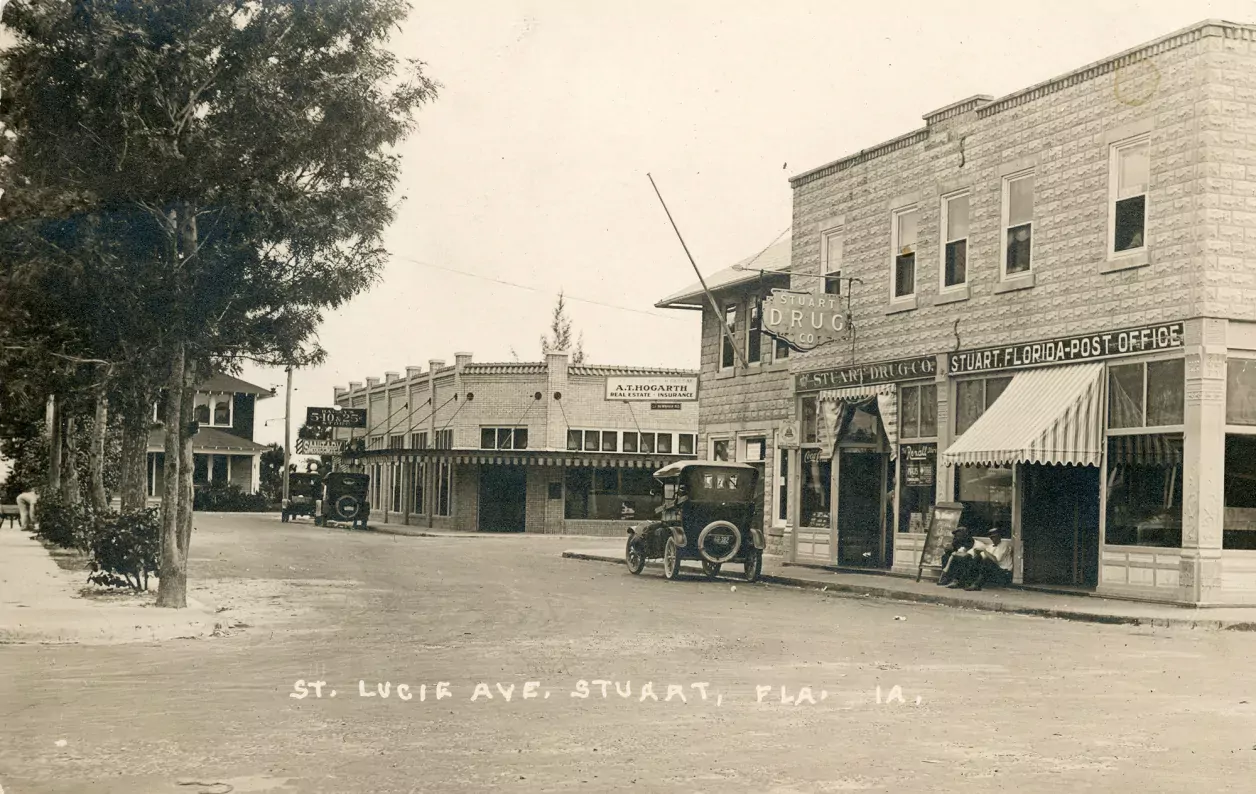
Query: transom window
[(1147, 394), (1018, 223), (955, 249), (918, 411)]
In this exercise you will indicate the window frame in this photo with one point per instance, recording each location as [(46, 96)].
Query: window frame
[(727, 340), (1144, 429), (1005, 219), (830, 276), (895, 251), (1114, 176), (945, 241), (754, 329)]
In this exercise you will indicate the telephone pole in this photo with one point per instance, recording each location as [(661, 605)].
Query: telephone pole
[(287, 435)]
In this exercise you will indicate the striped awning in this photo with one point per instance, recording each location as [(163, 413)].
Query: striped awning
[(539, 457), (1052, 415), (832, 403)]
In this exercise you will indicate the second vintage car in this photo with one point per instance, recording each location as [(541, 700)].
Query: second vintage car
[(707, 515)]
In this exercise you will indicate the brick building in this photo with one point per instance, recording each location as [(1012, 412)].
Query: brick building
[(1048, 314), (539, 447)]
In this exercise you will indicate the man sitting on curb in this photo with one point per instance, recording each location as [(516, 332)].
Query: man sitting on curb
[(990, 562), (961, 544)]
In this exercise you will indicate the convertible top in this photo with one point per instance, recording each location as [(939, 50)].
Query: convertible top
[(674, 469)]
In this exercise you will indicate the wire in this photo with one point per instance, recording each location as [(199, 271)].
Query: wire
[(566, 296)]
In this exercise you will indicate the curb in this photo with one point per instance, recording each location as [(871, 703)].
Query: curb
[(889, 594), (420, 533)]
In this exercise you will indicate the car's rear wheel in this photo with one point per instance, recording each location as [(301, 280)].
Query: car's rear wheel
[(285, 516), (753, 565), (671, 559), (711, 569), (634, 556)]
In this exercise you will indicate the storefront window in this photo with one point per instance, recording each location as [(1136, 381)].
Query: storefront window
[(719, 449), (810, 423), (1148, 394), (1239, 523), (918, 491), (574, 439), (973, 398), (664, 443), (1240, 392), (686, 444), (1144, 491), (816, 474), (444, 488), (918, 411), (630, 442), (986, 493), (610, 494)]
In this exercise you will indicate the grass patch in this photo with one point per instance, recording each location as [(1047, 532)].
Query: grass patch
[(67, 559)]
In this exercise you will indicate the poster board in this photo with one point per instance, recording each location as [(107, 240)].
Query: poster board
[(942, 521)]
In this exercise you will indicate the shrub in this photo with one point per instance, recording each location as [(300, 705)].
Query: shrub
[(125, 548), (229, 498), (63, 524)]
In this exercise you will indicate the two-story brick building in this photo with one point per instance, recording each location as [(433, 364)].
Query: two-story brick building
[(1050, 317), (545, 446)]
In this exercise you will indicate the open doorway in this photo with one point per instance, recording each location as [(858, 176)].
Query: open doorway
[(503, 498), (1060, 525), (861, 508)]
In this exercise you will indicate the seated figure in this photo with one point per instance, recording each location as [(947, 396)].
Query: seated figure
[(961, 544), (989, 563)]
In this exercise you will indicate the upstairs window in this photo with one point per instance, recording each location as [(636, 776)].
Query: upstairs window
[(831, 262), (418, 441), (754, 334), (727, 355), (1127, 187), (955, 250), (904, 248), (503, 438), (1018, 223)]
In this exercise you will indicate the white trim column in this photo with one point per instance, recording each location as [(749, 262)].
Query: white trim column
[(256, 475), (1203, 461)]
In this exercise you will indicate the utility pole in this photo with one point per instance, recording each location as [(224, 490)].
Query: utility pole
[(287, 435)]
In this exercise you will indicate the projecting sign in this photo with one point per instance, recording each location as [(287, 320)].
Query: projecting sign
[(804, 318), (649, 388), (864, 374), (335, 417), (1069, 350), (665, 406), (310, 446)]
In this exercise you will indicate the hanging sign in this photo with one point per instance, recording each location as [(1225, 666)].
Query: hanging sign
[(920, 462), (649, 388), (310, 446), (335, 417), (787, 435), (1068, 350), (865, 374), (804, 318)]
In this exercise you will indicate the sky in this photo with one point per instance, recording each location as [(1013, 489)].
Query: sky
[(531, 165)]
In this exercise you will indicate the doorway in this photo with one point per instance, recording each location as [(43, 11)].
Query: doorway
[(1060, 525), (503, 498), (861, 508)]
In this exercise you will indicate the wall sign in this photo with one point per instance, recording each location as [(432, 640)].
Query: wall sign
[(787, 435), (310, 446), (1068, 350), (920, 462), (643, 388), (804, 318), (335, 417), (864, 374), (665, 406)]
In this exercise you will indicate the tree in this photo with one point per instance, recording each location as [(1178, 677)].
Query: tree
[(248, 145), (271, 475), (559, 337)]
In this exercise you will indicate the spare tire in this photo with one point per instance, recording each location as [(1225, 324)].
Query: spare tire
[(348, 506), (719, 542)]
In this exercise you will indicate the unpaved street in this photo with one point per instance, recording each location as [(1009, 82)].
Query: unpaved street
[(989, 702)]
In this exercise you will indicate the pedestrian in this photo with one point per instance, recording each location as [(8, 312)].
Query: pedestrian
[(26, 509)]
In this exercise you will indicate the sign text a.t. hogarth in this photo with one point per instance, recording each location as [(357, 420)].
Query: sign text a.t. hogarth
[(804, 318), (641, 388), (1068, 350), (865, 374)]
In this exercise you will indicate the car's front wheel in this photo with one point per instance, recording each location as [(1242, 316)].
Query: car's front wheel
[(753, 565), (634, 556), (671, 559)]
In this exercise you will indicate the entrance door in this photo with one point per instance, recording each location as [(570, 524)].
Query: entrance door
[(1060, 525), (860, 510), (503, 498)]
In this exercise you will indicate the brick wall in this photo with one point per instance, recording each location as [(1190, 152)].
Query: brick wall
[(1063, 129)]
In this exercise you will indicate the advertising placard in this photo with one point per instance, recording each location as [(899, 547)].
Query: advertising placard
[(652, 388), (335, 417), (310, 446), (1068, 350)]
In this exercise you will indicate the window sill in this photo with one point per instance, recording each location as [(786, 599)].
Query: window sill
[(779, 366), (952, 295), (904, 304), (1126, 261), (725, 373), (1017, 282)]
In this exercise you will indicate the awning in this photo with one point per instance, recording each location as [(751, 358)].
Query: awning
[(1049, 415), (1145, 450), (539, 457)]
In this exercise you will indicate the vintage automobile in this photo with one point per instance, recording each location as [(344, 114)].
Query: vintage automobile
[(344, 500), (706, 515), (304, 490)]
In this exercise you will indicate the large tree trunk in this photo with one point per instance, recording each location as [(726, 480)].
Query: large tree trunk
[(135, 422), (70, 489), (53, 429), (173, 583), (186, 468), (96, 451)]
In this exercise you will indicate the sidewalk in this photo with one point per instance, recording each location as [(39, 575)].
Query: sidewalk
[(416, 531), (1014, 600), (39, 604)]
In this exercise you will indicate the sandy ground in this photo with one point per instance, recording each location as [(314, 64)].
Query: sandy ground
[(988, 702)]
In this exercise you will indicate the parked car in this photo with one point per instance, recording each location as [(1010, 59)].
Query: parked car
[(344, 500), (304, 490), (706, 515)]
